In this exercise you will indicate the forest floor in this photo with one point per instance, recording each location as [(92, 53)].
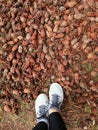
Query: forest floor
[(46, 41)]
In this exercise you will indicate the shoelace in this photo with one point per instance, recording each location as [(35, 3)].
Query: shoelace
[(55, 100), (42, 110)]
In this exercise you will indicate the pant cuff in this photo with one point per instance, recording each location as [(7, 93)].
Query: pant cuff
[(43, 119)]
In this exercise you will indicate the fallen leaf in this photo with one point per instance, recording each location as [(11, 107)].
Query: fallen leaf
[(60, 35), (71, 4), (60, 68), (10, 56), (26, 90), (15, 47), (7, 108), (83, 85), (11, 42), (91, 56), (94, 73)]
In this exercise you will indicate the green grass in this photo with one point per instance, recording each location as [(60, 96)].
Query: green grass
[(1, 104), (47, 83), (95, 79), (76, 123), (22, 116), (87, 109), (1, 114), (95, 127), (87, 67)]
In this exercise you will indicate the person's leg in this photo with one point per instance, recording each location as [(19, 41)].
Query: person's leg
[(56, 122), (41, 126), (56, 98), (41, 108)]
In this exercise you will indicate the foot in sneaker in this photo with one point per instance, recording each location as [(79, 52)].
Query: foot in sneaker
[(41, 108), (56, 96)]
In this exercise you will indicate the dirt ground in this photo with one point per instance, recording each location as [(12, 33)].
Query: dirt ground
[(25, 120), (74, 118)]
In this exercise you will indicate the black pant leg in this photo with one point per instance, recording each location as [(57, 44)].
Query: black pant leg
[(56, 122), (41, 126)]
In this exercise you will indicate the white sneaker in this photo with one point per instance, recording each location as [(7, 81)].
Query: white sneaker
[(56, 96), (41, 108)]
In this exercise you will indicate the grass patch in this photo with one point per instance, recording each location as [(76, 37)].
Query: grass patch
[(95, 79), (87, 67), (1, 114), (87, 109), (47, 83), (95, 127), (1, 105)]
